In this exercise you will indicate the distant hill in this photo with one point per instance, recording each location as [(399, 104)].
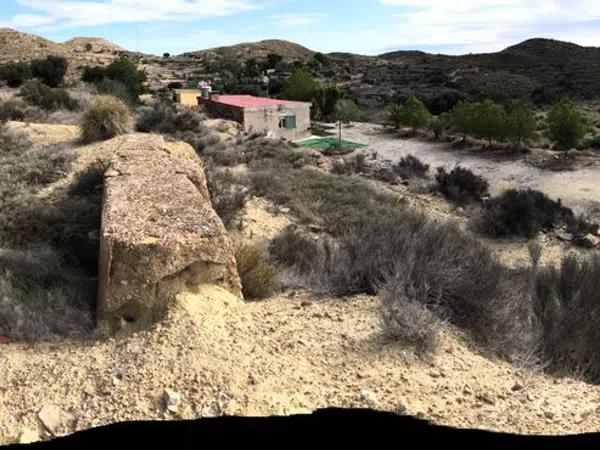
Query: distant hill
[(80, 44), (537, 70), (17, 46), (289, 50)]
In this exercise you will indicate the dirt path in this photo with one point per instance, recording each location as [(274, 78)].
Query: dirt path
[(578, 189)]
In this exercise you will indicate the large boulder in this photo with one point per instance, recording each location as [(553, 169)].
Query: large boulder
[(159, 235)]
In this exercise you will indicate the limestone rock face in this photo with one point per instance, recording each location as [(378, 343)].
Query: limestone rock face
[(159, 235)]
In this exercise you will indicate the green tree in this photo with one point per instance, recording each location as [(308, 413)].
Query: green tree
[(520, 123), (273, 60), (321, 59), (346, 111), (462, 118), (51, 71), (489, 120), (566, 125), (412, 113), (125, 72), (252, 69), (326, 100), (300, 87)]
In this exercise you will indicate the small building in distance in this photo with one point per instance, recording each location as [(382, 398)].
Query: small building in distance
[(276, 118), (187, 97)]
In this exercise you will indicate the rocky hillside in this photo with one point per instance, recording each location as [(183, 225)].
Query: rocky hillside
[(259, 50), (16, 46), (538, 70), (98, 45)]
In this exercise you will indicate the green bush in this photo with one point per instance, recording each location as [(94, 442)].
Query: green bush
[(300, 86), (15, 74), (51, 70), (105, 117), (411, 113), (259, 278), (121, 78), (93, 74), (50, 99)]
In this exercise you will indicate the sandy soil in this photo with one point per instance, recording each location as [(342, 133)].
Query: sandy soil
[(282, 356), (579, 189), (291, 354)]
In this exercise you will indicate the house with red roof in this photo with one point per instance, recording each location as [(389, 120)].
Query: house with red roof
[(277, 118)]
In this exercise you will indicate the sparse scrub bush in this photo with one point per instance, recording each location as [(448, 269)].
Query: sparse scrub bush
[(522, 213), (259, 278), (41, 298), (411, 167), (168, 118), (438, 125), (49, 260), (406, 317), (228, 196), (301, 251), (567, 308), (105, 117), (12, 109), (90, 180), (50, 99), (461, 185)]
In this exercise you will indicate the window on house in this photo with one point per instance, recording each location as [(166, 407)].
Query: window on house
[(287, 122)]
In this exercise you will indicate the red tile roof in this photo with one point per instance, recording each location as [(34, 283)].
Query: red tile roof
[(248, 101)]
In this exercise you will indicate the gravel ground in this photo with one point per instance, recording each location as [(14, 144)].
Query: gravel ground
[(578, 189)]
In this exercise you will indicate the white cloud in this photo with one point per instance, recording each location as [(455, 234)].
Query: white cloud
[(487, 25), (295, 20), (79, 13)]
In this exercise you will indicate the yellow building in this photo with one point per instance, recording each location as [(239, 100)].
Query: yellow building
[(187, 97)]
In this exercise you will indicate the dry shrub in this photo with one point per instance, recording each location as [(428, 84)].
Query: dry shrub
[(259, 278), (41, 298), (566, 302), (48, 261), (105, 117), (227, 193), (406, 317), (302, 251), (411, 167), (523, 213), (461, 185)]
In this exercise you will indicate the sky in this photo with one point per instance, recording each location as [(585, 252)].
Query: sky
[(357, 26)]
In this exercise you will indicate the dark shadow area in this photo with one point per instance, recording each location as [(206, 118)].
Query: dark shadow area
[(359, 426)]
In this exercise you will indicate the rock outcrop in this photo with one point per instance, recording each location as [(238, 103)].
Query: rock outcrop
[(159, 235)]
